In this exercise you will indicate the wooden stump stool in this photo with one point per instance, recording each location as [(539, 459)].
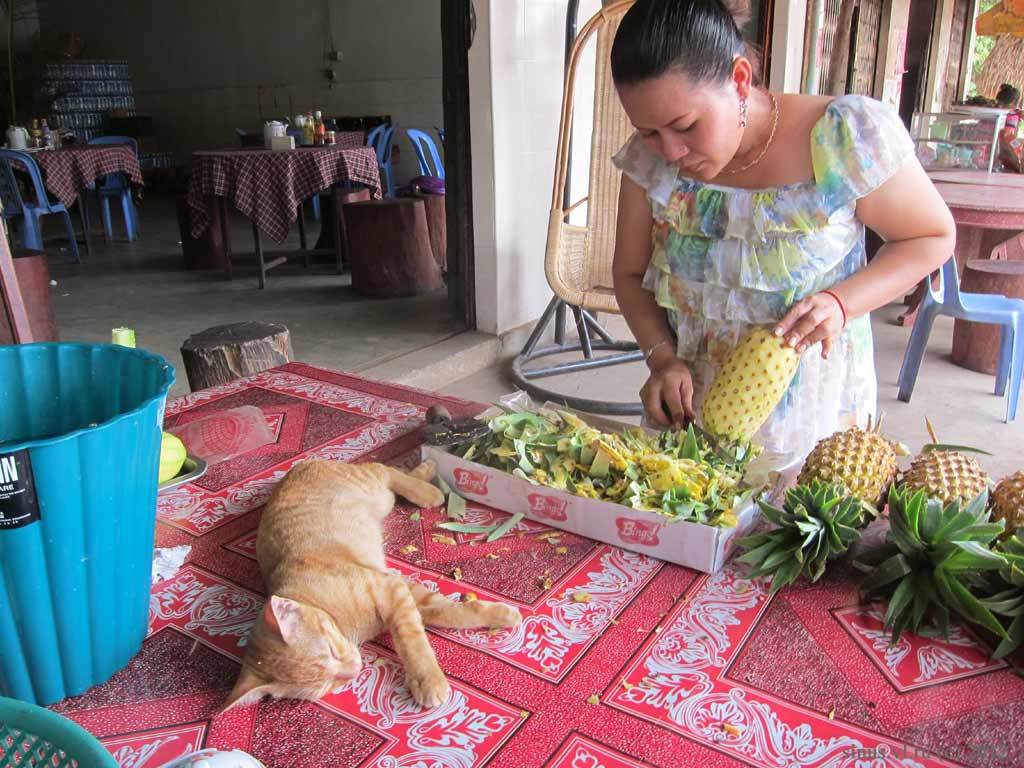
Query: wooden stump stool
[(228, 352), (33, 276), (390, 247), (437, 226), (976, 345)]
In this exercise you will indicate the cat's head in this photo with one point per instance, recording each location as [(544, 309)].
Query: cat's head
[(295, 652)]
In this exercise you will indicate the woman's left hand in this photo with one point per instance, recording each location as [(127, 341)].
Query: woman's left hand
[(818, 317)]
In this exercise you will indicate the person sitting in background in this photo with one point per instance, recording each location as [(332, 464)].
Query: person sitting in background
[(1011, 150)]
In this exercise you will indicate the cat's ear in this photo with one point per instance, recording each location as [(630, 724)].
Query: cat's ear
[(283, 616), (249, 689)]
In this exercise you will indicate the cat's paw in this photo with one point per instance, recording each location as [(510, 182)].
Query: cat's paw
[(501, 615), (429, 688)]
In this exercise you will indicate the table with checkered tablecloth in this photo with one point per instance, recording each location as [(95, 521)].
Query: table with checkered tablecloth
[(70, 171), (269, 186)]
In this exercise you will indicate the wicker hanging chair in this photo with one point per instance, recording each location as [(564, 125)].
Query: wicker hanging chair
[(578, 259)]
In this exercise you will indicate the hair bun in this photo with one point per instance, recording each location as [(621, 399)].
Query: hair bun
[(739, 10)]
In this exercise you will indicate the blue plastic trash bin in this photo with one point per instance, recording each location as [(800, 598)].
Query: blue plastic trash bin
[(80, 432)]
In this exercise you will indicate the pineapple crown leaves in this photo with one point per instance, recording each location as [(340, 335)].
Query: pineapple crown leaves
[(816, 523), (899, 448), (937, 445), (1006, 594), (931, 554)]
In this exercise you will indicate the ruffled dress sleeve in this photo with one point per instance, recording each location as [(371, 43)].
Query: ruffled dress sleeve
[(857, 146), (647, 169)]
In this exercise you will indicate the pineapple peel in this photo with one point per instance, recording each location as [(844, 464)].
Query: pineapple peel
[(675, 474)]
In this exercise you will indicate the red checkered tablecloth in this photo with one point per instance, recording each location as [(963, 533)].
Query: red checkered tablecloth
[(68, 172), (349, 139), (268, 186), (659, 667)]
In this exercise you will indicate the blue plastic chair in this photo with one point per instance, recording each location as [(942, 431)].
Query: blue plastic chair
[(978, 308), (116, 186), (380, 138), (423, 144), (30, 211)]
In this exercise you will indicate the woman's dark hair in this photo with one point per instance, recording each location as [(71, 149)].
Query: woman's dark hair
[(1007, 96), (699, 38)]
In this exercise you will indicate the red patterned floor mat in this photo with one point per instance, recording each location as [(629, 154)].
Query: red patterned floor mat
[(662, 667)]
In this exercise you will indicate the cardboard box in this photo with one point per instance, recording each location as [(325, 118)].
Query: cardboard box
[(701, 547)]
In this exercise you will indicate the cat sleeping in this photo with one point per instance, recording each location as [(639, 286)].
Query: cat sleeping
[(321, 551)]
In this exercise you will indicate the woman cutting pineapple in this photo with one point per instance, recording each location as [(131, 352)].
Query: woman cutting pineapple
[(758, 204)]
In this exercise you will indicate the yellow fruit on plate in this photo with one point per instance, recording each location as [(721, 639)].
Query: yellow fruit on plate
[(172, 457)]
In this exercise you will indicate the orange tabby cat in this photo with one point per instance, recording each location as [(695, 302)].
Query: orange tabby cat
[(321, 550)]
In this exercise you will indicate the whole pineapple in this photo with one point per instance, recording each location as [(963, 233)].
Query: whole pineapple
[(860, 460), (1006, 594), (933, 552), (817, 523), (752, 380), (947, 476), (1008, 502)]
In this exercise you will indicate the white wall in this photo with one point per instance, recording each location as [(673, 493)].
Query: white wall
[(203, 68), (516, 70)]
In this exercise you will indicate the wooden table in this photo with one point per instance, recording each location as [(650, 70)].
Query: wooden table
[(989, 221), (269, 188), (984, 178), (69, 173)]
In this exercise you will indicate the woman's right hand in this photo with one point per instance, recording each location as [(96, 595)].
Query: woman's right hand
[(668, 394)]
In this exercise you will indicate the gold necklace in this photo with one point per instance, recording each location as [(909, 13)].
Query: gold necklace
[(767, 144)]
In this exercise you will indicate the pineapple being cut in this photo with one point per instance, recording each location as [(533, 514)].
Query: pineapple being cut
[(860, 460), (751, 382), (1008, 502)]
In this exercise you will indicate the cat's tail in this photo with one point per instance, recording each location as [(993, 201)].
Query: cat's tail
[(415, 486)]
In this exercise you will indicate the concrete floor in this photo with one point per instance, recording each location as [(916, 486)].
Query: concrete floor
[(143, 285), (959, 402)]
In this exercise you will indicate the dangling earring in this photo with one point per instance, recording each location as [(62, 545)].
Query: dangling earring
[(743, 111)]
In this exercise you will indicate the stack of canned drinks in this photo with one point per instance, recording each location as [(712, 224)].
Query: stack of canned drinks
[(83, 92)]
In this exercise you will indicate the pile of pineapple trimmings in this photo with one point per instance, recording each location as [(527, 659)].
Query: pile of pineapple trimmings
[(676, 474), (951, 548), (687, 475)]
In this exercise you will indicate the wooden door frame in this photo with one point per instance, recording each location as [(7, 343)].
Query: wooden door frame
[(458, 27), (764, 37)]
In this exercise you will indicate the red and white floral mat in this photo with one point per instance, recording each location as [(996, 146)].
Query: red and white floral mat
[(656, 666)]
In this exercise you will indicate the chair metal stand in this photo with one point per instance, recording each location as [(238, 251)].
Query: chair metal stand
[(587, 327), (583, 295)]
